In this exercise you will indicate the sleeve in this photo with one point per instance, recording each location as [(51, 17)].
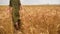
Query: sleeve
[(10, 3)]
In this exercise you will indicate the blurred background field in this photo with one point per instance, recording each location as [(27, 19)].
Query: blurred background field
[(35, 19)]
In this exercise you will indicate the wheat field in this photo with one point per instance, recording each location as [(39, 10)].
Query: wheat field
[(35, 19)]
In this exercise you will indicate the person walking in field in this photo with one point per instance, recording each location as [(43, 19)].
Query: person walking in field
[(15, 4)]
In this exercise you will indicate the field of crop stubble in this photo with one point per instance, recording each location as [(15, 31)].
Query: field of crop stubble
[(34, 20)]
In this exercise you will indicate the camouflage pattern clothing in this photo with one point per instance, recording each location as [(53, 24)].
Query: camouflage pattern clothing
[(15, 4)]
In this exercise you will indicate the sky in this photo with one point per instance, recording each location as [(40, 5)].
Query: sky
[(33, 2)]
